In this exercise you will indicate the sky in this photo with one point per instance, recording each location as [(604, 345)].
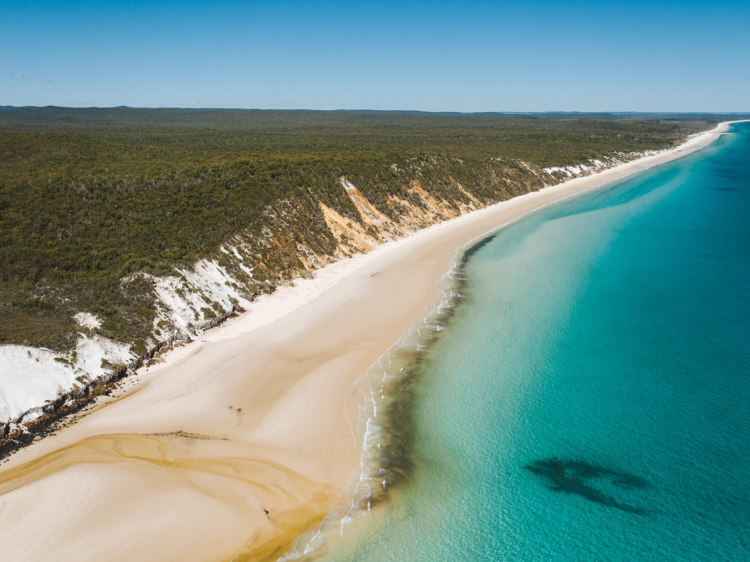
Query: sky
[(466, 56)]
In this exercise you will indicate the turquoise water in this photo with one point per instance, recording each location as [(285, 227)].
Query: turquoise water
[(590, 399)]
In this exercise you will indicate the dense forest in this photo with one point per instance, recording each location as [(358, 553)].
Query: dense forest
[(90, 196)]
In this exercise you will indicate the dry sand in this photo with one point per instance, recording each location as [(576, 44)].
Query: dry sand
[(251, 418)]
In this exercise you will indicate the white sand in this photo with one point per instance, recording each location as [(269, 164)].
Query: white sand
[(251, 417)]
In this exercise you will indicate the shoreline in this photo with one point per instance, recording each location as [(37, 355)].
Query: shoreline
[(244, 436)]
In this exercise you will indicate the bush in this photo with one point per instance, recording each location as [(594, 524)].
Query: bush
[(90, 196)]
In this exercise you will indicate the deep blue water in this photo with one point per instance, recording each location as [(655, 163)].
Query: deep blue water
[(590, 400)]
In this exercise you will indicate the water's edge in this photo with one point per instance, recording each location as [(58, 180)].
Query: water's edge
[(383, 412)]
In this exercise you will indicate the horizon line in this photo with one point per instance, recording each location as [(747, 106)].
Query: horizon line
[(549, 112)]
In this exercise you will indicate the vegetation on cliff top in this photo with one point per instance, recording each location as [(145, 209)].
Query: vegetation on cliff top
[(89, 196)]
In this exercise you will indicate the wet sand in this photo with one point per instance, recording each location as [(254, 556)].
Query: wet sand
[(255, 418)]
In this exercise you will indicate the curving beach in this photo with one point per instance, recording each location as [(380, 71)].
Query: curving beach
[(240, 442)]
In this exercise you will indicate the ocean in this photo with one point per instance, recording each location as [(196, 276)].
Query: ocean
[(589, 398)]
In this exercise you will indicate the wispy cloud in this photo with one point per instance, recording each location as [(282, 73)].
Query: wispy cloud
[(22, 76)]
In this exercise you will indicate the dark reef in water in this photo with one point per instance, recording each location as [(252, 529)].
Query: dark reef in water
[(397, 445), (396, 452), (579, 477), (475, 248)]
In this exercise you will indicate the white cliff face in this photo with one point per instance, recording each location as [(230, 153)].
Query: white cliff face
[(30, 377), (187, 303), (95, 356), (190, 299), (596, 165)]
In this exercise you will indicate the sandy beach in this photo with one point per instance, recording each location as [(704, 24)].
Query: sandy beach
[(243, 440)]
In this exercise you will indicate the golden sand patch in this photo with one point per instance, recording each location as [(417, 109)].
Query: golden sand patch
[(278, 503)]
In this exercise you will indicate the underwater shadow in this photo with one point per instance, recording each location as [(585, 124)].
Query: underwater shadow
[(580, 478)]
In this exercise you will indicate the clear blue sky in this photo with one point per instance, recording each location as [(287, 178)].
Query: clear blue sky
[(433, 56)]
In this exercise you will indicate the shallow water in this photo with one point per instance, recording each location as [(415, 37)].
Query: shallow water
[(590, 399)]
